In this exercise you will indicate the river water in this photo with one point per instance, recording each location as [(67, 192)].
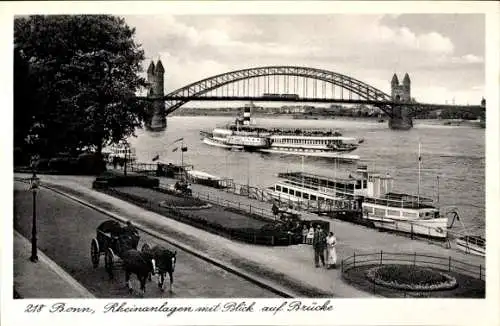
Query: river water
[(455, 154)]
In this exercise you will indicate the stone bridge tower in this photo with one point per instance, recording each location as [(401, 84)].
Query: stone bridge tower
[(401, 118), (156, 82)]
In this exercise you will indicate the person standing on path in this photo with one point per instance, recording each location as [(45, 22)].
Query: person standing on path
[(310, 236), (305, 231), (319, 246), (331, 252)]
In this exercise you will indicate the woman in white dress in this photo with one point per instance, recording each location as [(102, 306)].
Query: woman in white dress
[(331, 252), (310, 236)]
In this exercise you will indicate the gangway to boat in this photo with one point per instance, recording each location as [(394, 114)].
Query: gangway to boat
[(470, 240)]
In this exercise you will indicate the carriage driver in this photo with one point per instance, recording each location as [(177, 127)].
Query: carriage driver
[(131, 228)]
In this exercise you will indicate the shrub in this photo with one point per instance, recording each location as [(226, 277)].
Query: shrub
[(91, 163), (63, 164)]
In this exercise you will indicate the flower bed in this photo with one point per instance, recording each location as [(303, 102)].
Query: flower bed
[(411, 278), (192, 205)]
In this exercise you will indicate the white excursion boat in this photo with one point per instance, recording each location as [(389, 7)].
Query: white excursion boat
[(405, 213), (320, 192), (368, 193), (121, 151), (304, 142)]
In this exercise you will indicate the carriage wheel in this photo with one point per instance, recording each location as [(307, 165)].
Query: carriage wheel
[(94, 253), (145, 248), (108, 262)]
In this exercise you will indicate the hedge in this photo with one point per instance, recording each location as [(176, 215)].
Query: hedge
[(268, 237), (125, 181)]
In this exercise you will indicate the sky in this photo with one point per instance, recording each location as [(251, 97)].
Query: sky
[(442, 53)]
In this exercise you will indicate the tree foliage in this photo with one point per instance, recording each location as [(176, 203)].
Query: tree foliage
[(84, 72)]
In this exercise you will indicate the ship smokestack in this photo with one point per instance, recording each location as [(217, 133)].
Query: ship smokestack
[(246, 115)]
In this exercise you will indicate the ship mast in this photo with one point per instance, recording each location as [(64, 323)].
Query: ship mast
[(418, 186), (302, 171)]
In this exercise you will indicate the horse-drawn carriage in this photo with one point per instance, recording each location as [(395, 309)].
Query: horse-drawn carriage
[(119, 246), (112, 240)]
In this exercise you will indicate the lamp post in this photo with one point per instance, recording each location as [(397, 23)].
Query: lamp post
[(34, 186)]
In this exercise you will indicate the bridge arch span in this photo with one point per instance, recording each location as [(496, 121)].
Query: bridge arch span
[(198, 88)]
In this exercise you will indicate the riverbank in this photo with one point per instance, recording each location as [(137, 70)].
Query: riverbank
[(374, 119), (292, 265)]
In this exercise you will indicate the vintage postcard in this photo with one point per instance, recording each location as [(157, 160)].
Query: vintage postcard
[(252, 163)]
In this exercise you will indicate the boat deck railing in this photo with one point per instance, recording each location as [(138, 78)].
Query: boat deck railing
[(316, 179), (284, 131), (398, 203), (326, 190)]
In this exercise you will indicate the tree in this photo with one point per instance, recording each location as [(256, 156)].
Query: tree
[(85, 74)]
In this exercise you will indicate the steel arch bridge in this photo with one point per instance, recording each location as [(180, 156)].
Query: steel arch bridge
[(198, 90)]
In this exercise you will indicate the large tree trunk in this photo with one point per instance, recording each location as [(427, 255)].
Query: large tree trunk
[(99, 159)]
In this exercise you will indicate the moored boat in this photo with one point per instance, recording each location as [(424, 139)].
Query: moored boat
[(120, 151), (405, 213), (365, 197)]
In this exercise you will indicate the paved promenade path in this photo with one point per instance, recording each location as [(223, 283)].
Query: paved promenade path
[(293, 264), (65, 229), (44, 279)]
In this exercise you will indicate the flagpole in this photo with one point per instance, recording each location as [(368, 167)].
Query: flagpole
[(438, 189), (182, 159)]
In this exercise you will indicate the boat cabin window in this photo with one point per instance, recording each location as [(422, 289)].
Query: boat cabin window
[(278, 188), (285, 190), (306, 196), (298, 194), (393, 212), (365, 184), (292, 192), (408, 214), (426, 215), (313, 197)]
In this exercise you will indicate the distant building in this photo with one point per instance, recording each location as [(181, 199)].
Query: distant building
[(288, 109)]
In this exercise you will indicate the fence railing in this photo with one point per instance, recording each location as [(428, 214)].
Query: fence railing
[(247, 208), (260, 194), (264, 195), (443, 263)]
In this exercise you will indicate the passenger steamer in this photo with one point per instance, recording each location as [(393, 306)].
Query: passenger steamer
[(367, 193), (316, 143)]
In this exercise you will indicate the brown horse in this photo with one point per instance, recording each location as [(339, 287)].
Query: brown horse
[(165, 261), (139, 263)]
